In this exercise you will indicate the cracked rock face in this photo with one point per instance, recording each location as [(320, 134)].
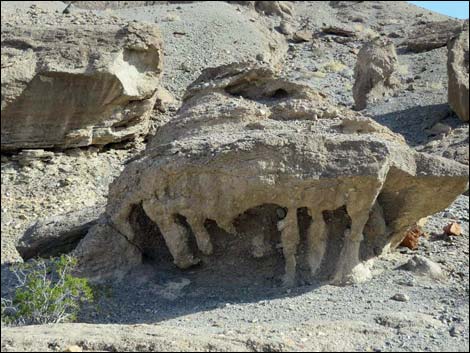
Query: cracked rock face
[(76, 80), (375, 72), (457, 71), (256, 167)]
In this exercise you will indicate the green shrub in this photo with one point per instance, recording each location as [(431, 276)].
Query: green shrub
[(47, 292)]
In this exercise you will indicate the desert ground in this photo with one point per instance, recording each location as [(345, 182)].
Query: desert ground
[(235, 304)]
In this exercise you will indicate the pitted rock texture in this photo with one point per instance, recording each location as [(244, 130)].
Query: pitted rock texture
[(375, 72), (457, 71), (255, 166), (76, 80)]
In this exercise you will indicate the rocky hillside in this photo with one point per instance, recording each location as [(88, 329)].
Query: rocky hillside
[(220, 167)]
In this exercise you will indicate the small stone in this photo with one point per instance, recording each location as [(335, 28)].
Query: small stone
[(286, 28), (171, 17), (440, 129), (73, 348), (400, 297), (455, 331), (302, 36), (261, 57), (453, 229), (423, 266)]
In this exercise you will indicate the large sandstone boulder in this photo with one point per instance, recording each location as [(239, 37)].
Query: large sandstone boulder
[(457, 72), (375, 72), (255, 167), (432, 35), (76, 80)]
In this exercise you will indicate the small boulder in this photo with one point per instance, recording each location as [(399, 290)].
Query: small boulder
[(412, 236), (453, 229), (424, 267), (286, 28), (58, 234), (302, 36), (400, 297)]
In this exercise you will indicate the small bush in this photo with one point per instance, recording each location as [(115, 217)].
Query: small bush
[(47, 292), (334, 66)]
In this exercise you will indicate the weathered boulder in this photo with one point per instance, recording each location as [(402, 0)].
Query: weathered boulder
[(432, 35), (256, 167), (457, 72), (58, 234), (76, 80), (424, 267), (375, 72)]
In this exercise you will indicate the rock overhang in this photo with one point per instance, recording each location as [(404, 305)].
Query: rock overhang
[(359, 185)]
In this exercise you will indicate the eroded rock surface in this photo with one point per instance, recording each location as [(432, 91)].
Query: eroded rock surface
[(260, 167), (458, 77), (375, 72), (432, 35), (76, 80)]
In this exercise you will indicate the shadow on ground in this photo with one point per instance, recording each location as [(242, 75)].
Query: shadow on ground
[(413, 122), (149, 295)]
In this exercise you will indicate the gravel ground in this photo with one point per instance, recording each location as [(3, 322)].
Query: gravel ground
[(155, 304), (158, 307)]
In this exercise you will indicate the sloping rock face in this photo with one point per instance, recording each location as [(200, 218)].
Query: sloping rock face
[(103, 5), (255, 166), (375, 72), (76, 80), (277, 8), (58, 234), (457, 71), (433, 35)]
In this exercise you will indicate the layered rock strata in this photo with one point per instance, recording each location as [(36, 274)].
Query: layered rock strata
[(76, 80)]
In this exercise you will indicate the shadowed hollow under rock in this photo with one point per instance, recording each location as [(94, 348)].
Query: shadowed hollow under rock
[(253, 167)]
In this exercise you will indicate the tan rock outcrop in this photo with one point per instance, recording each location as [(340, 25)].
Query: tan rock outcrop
[(253, 164), (458, 77), (432, 35), (76, 80), (375, 72), (277, 8)]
